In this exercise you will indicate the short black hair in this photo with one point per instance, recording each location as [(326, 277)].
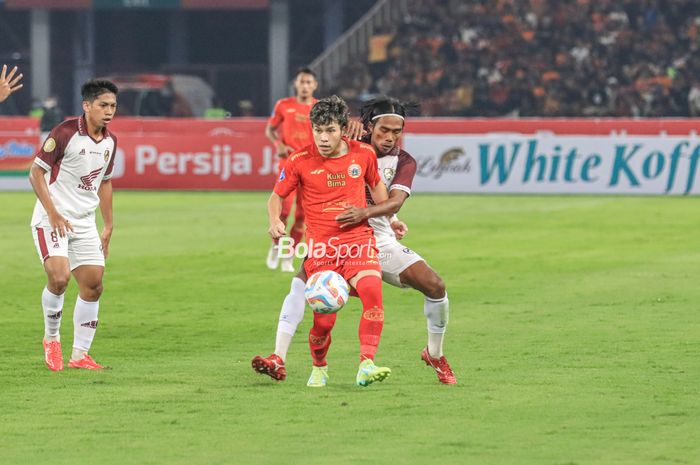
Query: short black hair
[(385, 105), (330, 110), (305, 70), (96, 87)]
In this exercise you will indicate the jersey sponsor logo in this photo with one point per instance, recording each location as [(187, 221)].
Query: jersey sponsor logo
[(88, 179), (373, 314), (408, 251), (290, 110), (49, 145), (318, 171), (282, 175), (354, 170), (107, 155), (335, 179)]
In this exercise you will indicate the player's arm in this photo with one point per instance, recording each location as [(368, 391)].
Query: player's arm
[(271, 133), (105, 195), (38, 181), (274, 211), (9, 83)]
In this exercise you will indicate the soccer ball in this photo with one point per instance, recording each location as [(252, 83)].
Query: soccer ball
[(326, 292)]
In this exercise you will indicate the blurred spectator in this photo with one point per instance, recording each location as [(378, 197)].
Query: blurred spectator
[(52, 114), (631, 58), (245, 108), (216, 111)]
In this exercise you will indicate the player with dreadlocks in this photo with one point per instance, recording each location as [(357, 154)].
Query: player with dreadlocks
[(383, 119)]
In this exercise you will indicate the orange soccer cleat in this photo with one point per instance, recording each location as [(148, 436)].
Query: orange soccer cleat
[(272, 366), (441, 367), (86, 363), (53, 356)]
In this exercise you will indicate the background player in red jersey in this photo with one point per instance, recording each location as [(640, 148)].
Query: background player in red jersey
[(71, 177), (289, 130), (330, 175), (384, 120)]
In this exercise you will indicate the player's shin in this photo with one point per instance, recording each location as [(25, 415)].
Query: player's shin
[(52, 305), (320, 337), (369, 289), (437, 313), (85, 325), (290, 317)]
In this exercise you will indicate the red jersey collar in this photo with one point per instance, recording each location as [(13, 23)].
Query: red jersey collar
[(82, 128)]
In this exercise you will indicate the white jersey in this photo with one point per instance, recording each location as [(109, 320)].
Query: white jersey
[(397, 170), (75, 167)]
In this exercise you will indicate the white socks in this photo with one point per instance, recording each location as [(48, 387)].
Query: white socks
[(84, 326), (290, 316), (53, 310), (437, 312)]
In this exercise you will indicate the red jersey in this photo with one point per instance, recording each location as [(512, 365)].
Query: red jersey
[(327, 185), (294, 118)]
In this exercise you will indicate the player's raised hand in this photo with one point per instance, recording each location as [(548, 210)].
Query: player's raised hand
[(9, 83), (59, 224), (352, 215), (400, 229), (277, 229), (104, 239), (355, 130)]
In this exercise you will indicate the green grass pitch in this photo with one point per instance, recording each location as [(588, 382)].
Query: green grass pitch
[(574, 333)]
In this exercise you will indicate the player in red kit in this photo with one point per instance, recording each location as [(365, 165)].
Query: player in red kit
[(291, 118), (330, 175)]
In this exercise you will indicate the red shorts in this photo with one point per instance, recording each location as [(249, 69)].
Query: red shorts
[(346, 258)]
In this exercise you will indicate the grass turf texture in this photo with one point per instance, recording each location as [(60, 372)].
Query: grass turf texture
[(574, 334)]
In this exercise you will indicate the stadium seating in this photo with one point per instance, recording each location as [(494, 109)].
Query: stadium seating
[(537, 58)]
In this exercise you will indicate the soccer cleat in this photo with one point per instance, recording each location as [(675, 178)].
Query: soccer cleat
[(273, 257), (86, 363), (272, 366), (369, 373), (319, 377), (287, 265), (53, 356), (442, 368)]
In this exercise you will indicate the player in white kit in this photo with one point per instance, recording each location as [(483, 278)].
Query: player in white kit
[(71, 176), (383, 118)]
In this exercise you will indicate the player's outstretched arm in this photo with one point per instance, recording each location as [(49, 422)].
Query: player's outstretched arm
[(105, 195), (9, 83), (283, 150), (389, 207), (38, 181), (274, 211)]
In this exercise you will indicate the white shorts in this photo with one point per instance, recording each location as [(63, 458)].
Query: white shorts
[(394, 259), (81, 248)]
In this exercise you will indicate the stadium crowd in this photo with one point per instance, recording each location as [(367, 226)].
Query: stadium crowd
[(623, 58)]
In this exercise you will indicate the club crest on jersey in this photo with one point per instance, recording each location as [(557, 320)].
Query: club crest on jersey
[(354, 170), (49, 145), (389, 173), (282, 175), (107, 155)]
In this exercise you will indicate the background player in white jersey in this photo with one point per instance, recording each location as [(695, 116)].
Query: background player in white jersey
[(383, 118), (71, 176)]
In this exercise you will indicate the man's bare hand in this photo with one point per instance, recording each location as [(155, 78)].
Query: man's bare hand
[(9, 83), (355, 130), (352, 215), (277, 229), (59, 224), (104, 239), (400, 229)]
